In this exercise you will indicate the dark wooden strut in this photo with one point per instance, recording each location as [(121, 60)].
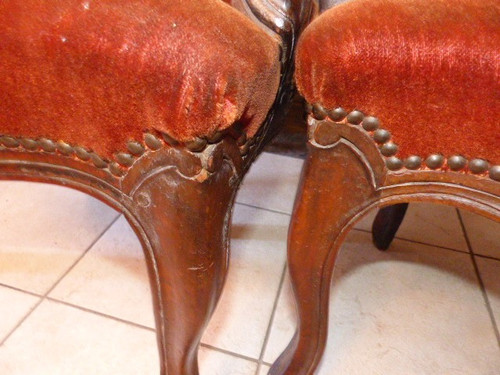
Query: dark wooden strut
[(344, 176), (386, 224), (178, 198)]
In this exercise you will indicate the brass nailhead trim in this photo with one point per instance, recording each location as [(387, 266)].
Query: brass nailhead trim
[(381, 136), (478, 166), (152, 142), (81, 153), (495, 173), (390, 149), (9, 141), (135, 148), (457, 162), (337, 114), (196, 145), (28, 143), (47, 144), (64, 148), (125, 159), (355, 117), (413, 162)]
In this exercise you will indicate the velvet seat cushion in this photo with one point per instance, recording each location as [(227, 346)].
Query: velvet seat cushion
[(428, 69), (100, 73)]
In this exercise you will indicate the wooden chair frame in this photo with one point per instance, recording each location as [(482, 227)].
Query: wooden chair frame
[(177, 197), (352, 167)]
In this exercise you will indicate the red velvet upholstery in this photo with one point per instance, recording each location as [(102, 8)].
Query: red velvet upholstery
[(428, 69), (99, 73)]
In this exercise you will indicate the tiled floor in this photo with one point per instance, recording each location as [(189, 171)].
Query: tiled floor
[(74, 295)]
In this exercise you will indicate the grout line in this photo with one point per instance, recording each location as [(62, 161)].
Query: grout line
[(228, 352), (271, 319), (21, 290), (103, 315), (480, 280), (81, 256), (264, 209), (45, 295), (21, 321), (418, 242)]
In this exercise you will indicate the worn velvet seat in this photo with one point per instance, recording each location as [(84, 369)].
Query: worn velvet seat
[(156, 107), (404, 101)]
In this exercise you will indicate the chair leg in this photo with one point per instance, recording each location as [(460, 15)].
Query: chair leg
[(386, 224), (183, 224), (333, 191)]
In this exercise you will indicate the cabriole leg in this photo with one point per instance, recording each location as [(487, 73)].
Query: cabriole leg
[(334, 190), (184, 224)]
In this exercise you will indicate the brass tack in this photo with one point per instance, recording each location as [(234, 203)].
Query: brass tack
[(98, 162), (216, 137), (64, 148), (135, 148), (495, 173), (413, 162), (389, 149), (197, 144), (381, 135), (457, 162), (435, 161), (28, 143), (125, 159), (393, 163), (171, 141), (152, 142), (370, 123), (82, 153), (319, 113), (115, 169), (47, 144), (355, 117), (478, 166), (337, 114), (9, 141)]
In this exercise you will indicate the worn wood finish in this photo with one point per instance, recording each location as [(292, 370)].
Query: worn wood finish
[(177, 197), (343, 178), (386, 224)]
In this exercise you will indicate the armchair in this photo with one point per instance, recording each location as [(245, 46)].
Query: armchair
[(404, 102), (157, 108)]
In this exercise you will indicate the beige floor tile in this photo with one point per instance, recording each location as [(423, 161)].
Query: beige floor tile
[(271, 182), (44, 229), (489, 269), (415, 309), (432, 224), (484, 234), (212, 362), (14, 306), (111, 278), (264, 369), (57, 339), (258, 257)]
